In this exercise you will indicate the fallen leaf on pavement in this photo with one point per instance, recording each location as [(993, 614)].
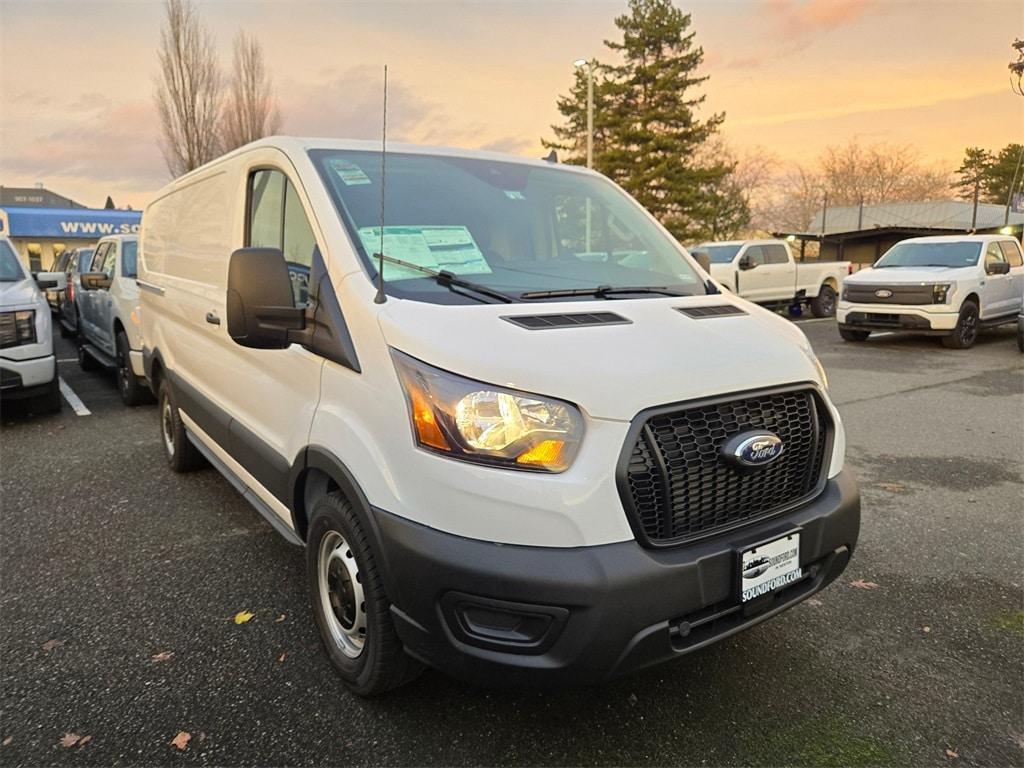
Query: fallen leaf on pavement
[(814, 601), (892, 487), (243, 616), (162, 656), (926, 630), (69, 740), (181, 740), (279, 619), (952, 755), (84, 740), (861, 584), (283, 656), (49, 645), (8, 740)]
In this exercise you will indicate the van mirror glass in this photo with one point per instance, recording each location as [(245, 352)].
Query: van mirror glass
[(260, 305)]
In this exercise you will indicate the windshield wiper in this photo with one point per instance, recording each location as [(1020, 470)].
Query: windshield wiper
[(600, 291), (450, 280)]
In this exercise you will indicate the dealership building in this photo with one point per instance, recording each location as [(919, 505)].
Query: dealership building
[(42, 224)]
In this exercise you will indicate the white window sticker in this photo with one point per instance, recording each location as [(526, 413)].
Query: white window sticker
[(350, 174), (450, 248)]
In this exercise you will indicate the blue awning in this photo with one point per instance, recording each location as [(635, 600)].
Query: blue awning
[(70, 223)]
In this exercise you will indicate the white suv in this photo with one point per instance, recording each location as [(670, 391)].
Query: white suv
[(519, 432), (110, 334), (28, 368), (949, 286)]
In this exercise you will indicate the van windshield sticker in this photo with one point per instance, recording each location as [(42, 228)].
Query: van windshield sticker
[(450, 248), (350, 174)]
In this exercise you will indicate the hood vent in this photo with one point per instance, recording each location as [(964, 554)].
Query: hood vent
[(574, 320), (718, 310)]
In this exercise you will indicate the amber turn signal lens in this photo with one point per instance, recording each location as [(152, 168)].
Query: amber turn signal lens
[(547, 454), (427, 429)]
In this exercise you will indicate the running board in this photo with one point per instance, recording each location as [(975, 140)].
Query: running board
[(268, 514), (101, 357)]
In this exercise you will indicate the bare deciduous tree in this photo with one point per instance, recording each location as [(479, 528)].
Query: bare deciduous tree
[(188, 91), (880, 173), (250, 111)]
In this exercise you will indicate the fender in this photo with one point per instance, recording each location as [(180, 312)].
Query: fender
[(322, 459)]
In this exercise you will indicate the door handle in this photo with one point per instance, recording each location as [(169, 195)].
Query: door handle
[(212, 319)]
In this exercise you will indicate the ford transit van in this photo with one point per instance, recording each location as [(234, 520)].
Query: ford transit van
[(519, 431)]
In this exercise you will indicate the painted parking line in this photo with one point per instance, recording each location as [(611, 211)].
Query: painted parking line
[(73, 400), (816, 320)]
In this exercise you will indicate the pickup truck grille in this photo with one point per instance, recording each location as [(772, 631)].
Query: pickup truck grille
[(899, 294), (676, 486)]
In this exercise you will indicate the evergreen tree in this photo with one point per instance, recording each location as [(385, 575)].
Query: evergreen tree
[(647, 134), (999, 175), (972, 171)]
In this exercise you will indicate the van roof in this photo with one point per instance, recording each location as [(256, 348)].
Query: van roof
[(299, 145)]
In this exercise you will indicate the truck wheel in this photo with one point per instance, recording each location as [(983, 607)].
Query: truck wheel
[(824, 304), (350, 606), (181, 455), (85, 360), (50, 401), (966, 331), (133, 390), (850, 335), (64, 332)]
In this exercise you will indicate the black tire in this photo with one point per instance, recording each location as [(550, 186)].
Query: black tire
[(1020, 333), (966, 331), (133, 389), (848, 334), (85, 360), (824, 304), (379, 663), (181, 455), (50, 401), (64, 332)]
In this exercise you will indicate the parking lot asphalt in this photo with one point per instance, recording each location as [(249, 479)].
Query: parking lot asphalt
[(110, 563)]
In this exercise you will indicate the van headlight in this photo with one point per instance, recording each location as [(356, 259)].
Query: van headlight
[(471, 421)]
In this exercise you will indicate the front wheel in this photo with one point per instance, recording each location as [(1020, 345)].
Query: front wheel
[(350, 606), (64, 332), (966, 331), (848, 334), (85, 360), (824, 304)]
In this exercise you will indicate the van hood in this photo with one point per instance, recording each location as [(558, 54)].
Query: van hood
[(660, 356), (19, 294), (898, 275)]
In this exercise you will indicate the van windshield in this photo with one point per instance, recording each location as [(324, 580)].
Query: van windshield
[(930, 255), (511, 227)]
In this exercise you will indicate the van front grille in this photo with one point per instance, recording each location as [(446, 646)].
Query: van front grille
[(676, 485)]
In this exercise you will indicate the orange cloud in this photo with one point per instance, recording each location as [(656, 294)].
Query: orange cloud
[(812, 16)]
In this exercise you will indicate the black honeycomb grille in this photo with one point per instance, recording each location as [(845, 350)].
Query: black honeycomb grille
[(677, 486)]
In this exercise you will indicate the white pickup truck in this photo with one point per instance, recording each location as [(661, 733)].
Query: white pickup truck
[(765, 272)]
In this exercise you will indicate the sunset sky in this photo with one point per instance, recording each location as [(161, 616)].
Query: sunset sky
[(76, 78)]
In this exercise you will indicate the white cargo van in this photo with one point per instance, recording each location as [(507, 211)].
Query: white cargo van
[(540, 447)]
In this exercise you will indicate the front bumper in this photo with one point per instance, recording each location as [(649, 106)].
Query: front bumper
[(18, 375), (541, 615), (896, 317)]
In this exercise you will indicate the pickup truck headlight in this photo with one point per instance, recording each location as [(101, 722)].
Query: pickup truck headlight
[(939, 292), (471, 421), (18, 328)]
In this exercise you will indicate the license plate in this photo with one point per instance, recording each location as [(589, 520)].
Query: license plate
[(769, 566)]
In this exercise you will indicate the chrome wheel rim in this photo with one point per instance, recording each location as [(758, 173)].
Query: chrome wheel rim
[(341, 594), (167, 426)]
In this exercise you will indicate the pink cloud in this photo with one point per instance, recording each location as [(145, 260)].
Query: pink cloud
[(808, 17)]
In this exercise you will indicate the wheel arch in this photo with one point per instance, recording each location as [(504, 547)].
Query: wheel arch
[(317, 471), (153, 362)]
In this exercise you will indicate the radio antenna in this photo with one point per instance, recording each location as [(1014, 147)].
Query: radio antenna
[(381, 296)]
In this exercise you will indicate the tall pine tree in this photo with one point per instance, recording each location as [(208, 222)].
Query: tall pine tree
[(647, 135)]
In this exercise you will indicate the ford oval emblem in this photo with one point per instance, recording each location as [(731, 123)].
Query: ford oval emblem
[(753, 449), (883, 293)]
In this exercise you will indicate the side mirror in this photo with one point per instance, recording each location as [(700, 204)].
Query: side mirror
[(51, 281), (746, 262), (95, 281), (260, 305), (997, 268), (703, 259)]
